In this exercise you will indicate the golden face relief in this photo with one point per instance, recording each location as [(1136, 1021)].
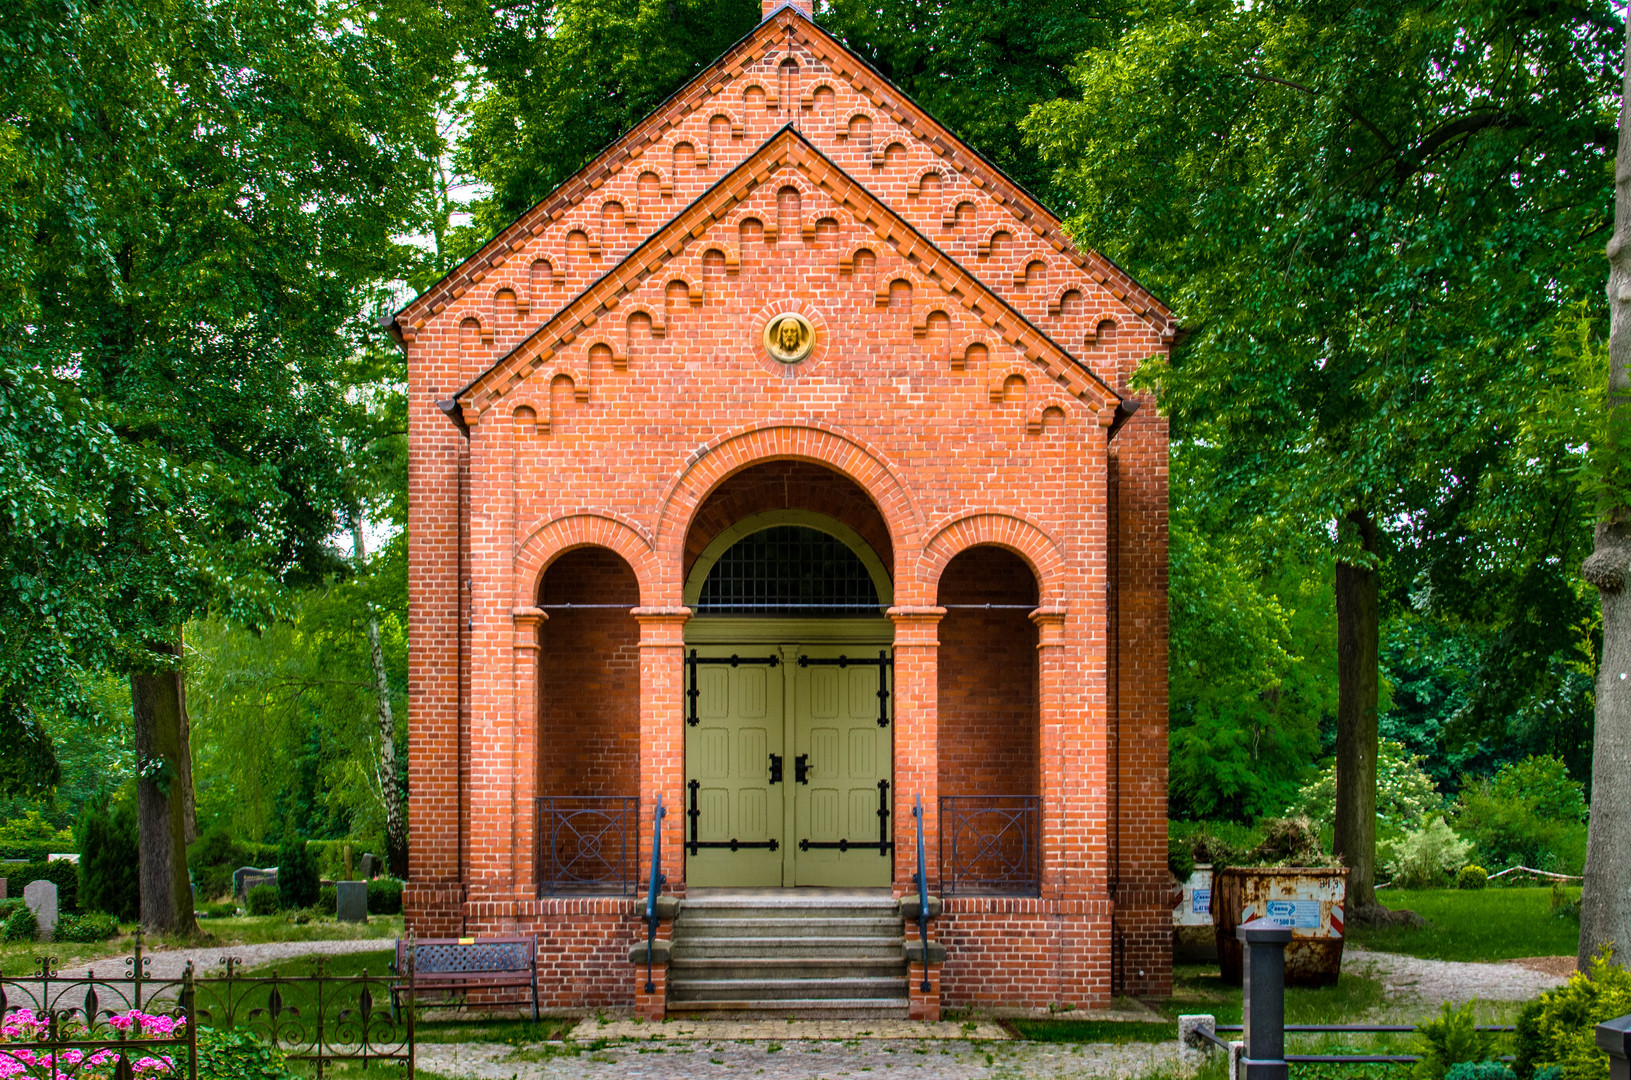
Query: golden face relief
[(789, 337)]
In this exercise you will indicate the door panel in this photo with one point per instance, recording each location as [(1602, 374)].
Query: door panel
[(740, 723), (835, 725)]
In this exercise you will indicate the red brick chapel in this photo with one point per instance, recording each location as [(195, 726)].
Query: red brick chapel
[(780, 468)]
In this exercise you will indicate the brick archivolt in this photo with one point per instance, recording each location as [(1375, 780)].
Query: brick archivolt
[(948, 538), (551, 539)]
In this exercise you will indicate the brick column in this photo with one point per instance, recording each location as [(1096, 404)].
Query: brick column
[(662, 733), (917, 769), (1061, 849), (524, 862)]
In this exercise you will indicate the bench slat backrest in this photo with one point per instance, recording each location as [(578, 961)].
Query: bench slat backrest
[(461, 956)]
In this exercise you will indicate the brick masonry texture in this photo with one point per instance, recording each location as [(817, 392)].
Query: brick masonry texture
[(590, 404)]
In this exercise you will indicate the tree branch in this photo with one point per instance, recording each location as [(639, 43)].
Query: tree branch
[(1311, 92)]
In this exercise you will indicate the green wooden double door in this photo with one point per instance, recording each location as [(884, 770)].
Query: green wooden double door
[(788, 761)]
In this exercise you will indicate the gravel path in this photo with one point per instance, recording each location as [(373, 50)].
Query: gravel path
[(878, 1059), (170, 963), (1409, 979)]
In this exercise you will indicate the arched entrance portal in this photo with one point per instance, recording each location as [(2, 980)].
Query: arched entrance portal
[(789, 726)]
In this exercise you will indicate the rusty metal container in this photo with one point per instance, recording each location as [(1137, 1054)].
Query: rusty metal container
[(1307, 900), (1193, 939)]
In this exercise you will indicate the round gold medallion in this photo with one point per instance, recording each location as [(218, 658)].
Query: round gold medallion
[(789, 337)]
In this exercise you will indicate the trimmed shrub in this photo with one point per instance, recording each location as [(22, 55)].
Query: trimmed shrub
[(20, 926), (1472, 877), (385, 896), (263, 900), (1558, 1029), (1480, 1070), (328, 900), (95, 926), (297, 882), (109, 861), (237, 1055), (218, 911)]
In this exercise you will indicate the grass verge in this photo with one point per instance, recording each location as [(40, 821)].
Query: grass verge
[(1479, 925)]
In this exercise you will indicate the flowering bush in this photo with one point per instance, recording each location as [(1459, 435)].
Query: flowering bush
[(24, 1026)]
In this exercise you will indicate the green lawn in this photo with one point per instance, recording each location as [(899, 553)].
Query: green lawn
[(1485, 924)]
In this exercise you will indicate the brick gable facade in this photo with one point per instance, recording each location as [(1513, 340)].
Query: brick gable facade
[(594, 385)]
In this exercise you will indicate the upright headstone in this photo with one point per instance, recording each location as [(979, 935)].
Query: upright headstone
[(351, 901), (41, 898), (3, 882), (241, 883), (370, 867), (349, 873)]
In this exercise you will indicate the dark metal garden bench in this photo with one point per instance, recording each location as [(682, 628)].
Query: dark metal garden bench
[(449, 966)]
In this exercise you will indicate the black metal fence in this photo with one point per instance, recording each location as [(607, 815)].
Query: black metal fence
[(990, 845), (85, 1022), (588, 845)]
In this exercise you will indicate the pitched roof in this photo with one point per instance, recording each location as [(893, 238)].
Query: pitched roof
[(790, 22), (788, 147)]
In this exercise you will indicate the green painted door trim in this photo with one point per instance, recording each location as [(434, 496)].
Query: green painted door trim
[(770, 518)]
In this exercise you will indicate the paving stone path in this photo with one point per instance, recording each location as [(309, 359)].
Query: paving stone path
[(1410, 980), (797, 1059)]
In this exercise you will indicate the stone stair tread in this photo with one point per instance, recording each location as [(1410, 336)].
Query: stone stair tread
[(839, 1008), (831, 982)]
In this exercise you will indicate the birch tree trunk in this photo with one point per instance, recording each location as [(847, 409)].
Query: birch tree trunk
[(396, 824), (1605, 901)]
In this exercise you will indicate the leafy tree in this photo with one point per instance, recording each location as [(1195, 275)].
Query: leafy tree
[(1528, 814), (1372, 216), (297, 881), (203, 198)]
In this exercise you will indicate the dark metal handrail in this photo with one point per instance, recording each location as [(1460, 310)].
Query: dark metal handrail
[(658, 880), (587, 844), (989, 845), (922, 879)]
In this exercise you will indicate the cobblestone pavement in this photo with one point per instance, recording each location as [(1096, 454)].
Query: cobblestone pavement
[(1411, 979), (810, 1059), (783, 1030)]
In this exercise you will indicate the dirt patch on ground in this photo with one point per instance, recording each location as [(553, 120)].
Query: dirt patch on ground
[(1560, 966), (1409, 978)]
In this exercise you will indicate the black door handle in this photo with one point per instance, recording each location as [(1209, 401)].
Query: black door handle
[(775, 768), (801, 768)]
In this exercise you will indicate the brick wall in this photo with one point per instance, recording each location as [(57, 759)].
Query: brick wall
[(989, 724), (589, 692)]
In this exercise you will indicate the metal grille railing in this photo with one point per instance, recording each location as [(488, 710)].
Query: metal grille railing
[(588, 845), (990, 845)]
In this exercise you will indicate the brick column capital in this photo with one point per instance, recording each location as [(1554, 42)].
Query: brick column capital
[(661, 627), (917, 625), (1050, 624), (527, 621)]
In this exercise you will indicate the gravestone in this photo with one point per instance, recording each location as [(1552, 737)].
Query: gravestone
[(241, 883), (351, 901), (370, 867), (41, 898)]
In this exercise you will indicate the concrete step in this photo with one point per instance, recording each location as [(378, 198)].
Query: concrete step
[(790, 950), (690, 925), (692, 971), (832, 1009), (787, 990)]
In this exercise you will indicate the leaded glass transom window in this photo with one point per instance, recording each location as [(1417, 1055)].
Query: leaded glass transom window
[(788, 570)]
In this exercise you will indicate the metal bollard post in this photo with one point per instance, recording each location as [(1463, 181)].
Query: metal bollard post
[(1614, 1039), (1265, 1000)]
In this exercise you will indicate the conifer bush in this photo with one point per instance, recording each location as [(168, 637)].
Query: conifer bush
[(109, 861), (262, 900), (1472, 876), (297, 881)]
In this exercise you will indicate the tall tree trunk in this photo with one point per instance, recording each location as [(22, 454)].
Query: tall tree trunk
[(189, 801), (155, 700), (396, 822), (1605, 899), (1358, 631)]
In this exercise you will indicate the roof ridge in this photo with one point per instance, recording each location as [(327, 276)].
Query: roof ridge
[(786, 20), (659, 239)]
